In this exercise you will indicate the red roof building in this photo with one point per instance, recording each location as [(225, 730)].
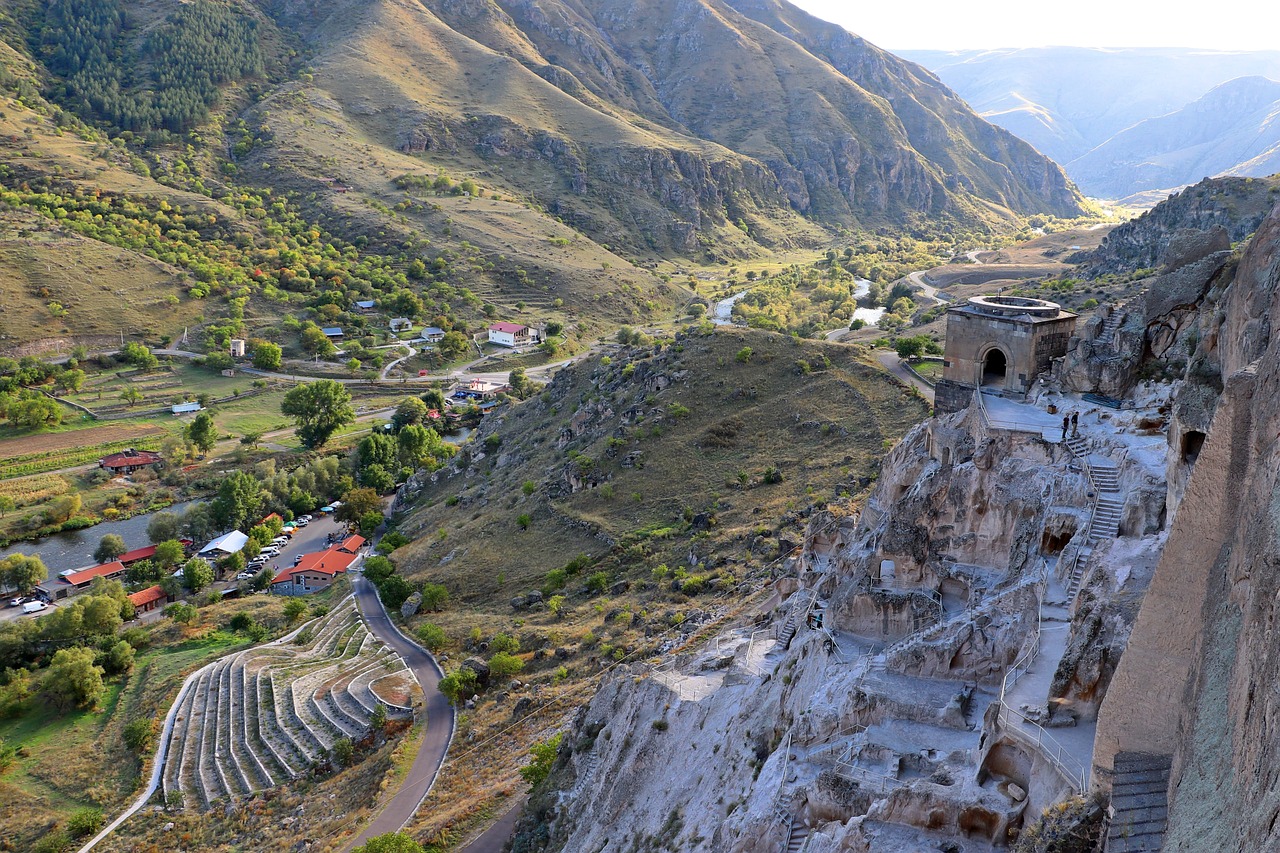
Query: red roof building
[(316, 571), (83, 578), (130, 460), (148, 599), (509, 334), (139, 554)]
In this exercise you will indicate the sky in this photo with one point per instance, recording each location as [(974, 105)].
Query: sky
[(936, 25)]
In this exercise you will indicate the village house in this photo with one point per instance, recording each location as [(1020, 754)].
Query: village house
[(227, 543), (333, 333), (137, 555), (431, 335), (509, 334), (237, 348), (364, 306), (401, 324), (317, 570), (479, 389), (128, 461), (151, 598)]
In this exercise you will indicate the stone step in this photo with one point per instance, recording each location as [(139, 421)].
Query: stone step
[(1134, 762)]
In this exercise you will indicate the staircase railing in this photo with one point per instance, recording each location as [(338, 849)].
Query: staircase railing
[(1012, 720)]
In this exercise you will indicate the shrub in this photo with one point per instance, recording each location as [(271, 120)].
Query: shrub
[(743, 356), (378, 568), (435, 597), (432, 636), (598, 582), (84, 822), (504, 644), (529, 487), (294, 609), (343, 752), (503, 665), (459, 685), (524, 520), (138, 735), (543, 758)]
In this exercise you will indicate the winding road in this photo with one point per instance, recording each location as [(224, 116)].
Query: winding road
[(440, 718), (890, 361)]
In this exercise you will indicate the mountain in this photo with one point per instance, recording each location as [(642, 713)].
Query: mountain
[(488, 157), (1066, 101), (1234, 129)]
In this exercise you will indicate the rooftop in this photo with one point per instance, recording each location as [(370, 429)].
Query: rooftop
[(102, 571), (510, 328), (1020, 308), (146, 596)]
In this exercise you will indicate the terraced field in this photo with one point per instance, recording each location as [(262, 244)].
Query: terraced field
[(261, 717)]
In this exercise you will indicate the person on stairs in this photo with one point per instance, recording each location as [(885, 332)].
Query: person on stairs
[(1075, 424), (1066, 422)]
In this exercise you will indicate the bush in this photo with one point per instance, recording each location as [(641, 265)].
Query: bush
[(435, 597), (394, 591), (294, 609), (459, 685), (343, 752), (504, 644), (378, 568), (598, 582), (432, 636), (84, 822), (743, 356), (543, 758), (503, 665), (139, 734)]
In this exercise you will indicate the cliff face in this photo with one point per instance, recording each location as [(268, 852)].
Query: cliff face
[(1196, 681), (1237, 205), (875, 730)]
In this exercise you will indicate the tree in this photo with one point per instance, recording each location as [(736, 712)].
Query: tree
[(459, 685), (119, 658), (394, 591), (419, 447), (343, 752), (319, 409), (109, 547), (168, 554), (22, 572), (69, 380), (453, 344), (131, 396), (543, 755), (316, 342), (239, 501), (357, 503), (370, 521), (294, 609), (162, 527), (175, 450), (196, 574), (7, 505), (139, 356), (182, 612), (392, 842), (268, 356), (915, 346), (435, 596), (410, 411), (202, 433), (433, 399), (252, 437), (73, 679), (35, 412)]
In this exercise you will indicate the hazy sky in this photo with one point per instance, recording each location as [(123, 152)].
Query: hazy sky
[(932, 24)]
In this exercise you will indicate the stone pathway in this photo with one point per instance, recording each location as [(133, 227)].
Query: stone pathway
[(1070, 746)]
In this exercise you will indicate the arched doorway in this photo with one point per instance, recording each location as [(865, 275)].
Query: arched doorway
[(994, 367)]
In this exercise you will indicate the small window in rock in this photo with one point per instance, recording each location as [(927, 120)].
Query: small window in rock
[(1192, 442)]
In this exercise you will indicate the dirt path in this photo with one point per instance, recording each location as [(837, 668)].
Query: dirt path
[(440, 719)]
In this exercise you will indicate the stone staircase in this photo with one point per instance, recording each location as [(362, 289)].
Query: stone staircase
[(1139, 803), (797, 835), (802, 604), (1104, 524)]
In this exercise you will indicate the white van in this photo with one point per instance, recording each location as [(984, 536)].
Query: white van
[(34, 607)]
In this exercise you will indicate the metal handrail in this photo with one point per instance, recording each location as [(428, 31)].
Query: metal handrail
[(1073, 771), (867, 778)]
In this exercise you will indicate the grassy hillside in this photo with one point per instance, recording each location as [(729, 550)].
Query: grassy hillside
[(678, 470)]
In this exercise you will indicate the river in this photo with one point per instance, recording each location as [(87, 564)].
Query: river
[(722, 314), (74, 549)]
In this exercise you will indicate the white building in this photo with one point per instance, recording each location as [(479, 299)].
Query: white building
[(509, 334)]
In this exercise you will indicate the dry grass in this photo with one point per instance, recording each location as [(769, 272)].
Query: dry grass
[(705, 442)]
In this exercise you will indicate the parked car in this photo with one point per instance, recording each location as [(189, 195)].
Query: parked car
[(17, 602), (34, 607), (297, 559)]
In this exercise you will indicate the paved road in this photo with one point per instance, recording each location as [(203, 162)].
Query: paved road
[(439, 716), (890, 361), (495, 837)]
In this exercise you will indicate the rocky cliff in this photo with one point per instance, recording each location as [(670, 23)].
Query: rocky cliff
[(862, 711)]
